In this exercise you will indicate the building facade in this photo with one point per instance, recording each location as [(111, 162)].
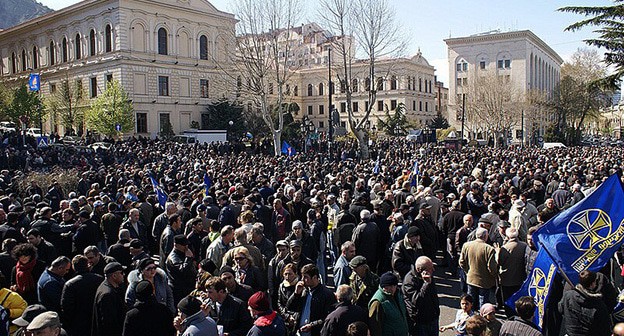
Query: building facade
[(164, 53), (521, 57)]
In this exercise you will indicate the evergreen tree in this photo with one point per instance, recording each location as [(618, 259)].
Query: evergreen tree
[(396, 123), (610, 23), (109, 109)]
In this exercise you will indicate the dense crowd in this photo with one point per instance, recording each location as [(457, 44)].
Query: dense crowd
[(320, 243)]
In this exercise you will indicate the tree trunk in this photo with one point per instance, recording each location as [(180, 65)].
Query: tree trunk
[(277, 142)]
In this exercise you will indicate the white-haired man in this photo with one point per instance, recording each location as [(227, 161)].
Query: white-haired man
[(511, 263), (366, 237)]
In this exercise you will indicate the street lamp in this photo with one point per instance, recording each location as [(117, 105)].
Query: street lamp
[(231, 123)]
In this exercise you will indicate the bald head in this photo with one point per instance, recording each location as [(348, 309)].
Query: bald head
[(618, 330)]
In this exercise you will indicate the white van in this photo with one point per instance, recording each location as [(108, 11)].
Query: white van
[(549, 145)]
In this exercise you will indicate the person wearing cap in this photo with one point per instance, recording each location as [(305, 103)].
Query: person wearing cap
[(147, 270), (18, 327), (192, 321), (405, 252), (148, 317), (366, 237), (451, 222), (338, 321), (485, 223), (428, 232), (234, 288), (342, 270), (548, 211), (497, 234), (299, 233), (226, 214), (511, 263), (45, 324), (51, 282), (78, 296), (488, 311), (478, 260), (180, 268), (517, 217), (313, 300), (109, 308), (227, 310), (363, 281), (268, 322), (294, 256), (281, 247), (475, 200), (386, 310), (421, 298)]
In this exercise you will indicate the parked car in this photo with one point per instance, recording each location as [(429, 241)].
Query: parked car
[(34, 132), (7, 126), (100, 145)]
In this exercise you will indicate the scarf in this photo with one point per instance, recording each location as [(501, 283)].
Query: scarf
[(23, 276)]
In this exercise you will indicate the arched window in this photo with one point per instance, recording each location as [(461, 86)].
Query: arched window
[(35, 57), (77, 50), (296, 91), (355, 85), (13, 63), (380, 84), (64, 49), (367, 84), (108, 39), (321, 89), (203, 47), (393, 83), (92, 43), (24, 60), (309, 89), (51, 53), (162, 41)]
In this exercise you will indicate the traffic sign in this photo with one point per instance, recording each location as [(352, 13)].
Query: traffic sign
[(42, 141)]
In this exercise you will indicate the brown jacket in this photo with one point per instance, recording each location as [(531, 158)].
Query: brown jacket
[(511, 263), (478, 260)]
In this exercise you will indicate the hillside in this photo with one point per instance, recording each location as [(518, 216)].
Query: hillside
[(13, 12)]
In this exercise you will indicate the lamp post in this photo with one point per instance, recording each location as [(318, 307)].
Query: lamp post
[(231, 123), (330, 129)]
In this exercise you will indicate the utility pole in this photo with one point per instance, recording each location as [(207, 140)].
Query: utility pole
[(522, 130), (330, 129), (463, 117)]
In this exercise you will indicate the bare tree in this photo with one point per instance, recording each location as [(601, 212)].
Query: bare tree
[(262, 63), (68, 104), (365, 31), (493, 101)]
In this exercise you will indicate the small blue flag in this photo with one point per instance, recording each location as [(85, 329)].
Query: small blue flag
[(160, 193), (288, 149), (34, 82), (249, 135), (377, 168), (207, 182), (415, 173)]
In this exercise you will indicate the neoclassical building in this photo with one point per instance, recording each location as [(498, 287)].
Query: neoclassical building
[(520, 56), (165, 53)]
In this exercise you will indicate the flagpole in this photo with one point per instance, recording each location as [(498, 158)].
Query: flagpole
[(556, 262)]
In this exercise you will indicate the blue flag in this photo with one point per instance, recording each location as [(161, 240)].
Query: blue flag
[(537, 285), (415, 173), (207, 182), (160, 193), (288, 149), (587, 235), (377, 168)]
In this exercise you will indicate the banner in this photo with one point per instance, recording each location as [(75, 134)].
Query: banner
[(160, 193), (288, 149)]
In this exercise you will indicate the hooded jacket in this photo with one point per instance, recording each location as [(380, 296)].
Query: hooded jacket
[(584, 313)]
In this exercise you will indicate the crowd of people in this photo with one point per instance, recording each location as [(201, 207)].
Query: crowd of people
[(320, 243)]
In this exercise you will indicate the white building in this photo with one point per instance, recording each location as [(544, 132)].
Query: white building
[(522, 57), (163, 52)]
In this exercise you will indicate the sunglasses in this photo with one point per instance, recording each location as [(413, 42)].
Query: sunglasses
[(239, 258), (150, 268)]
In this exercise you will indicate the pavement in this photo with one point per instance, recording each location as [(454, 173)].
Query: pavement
[(448, 294)]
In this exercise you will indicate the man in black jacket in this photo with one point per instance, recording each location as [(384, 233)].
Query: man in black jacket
[(109, 309), (366, 238), (345, 313), (315, 310), (78, 296), (148, 317), (421, 299), (232, 313), (180, 268)]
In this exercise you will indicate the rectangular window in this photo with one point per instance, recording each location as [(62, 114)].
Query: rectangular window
[(482, 65), (321, 109), (393, 104), (343, 107), (426, 106), (52, 88), (464, 81), (413, 105), (366, 105), (310, 111), (109, 78), (203, 88), (356, 108), (507, 64), (343, 124), (500, 64), (464, 66), (164, 120), (163, 85), (93, 87), (380, 105), (420, 106), (458, 67), (141, 122), (321, 124), (459, 82)]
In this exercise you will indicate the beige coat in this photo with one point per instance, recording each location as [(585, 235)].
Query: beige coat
[(478, 260)]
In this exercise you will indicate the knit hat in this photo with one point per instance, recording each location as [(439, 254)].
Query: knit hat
[(144, 290), (259, 301), (413, 231), (143, 263), (189, 305), (388, 279), (487, 308), (357, 261), (227, 269)]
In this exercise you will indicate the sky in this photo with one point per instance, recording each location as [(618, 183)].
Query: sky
[(428, 22)]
